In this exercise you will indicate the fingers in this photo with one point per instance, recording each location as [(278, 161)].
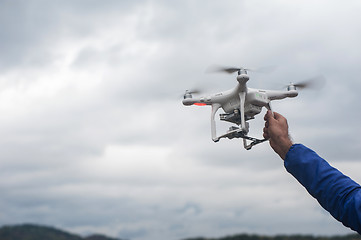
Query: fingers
[(271, 116), (265, 133), (268, 115), (266, 124)]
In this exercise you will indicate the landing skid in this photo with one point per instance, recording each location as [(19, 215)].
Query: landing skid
[(235, 132)]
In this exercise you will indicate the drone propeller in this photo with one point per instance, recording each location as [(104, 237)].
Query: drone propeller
[(311, 83), (231, 70), (228, 69), (194, 91)]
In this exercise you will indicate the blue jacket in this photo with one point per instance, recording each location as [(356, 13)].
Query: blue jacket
[(336, 193)]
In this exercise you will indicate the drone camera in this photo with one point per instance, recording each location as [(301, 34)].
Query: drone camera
[(234, 117)]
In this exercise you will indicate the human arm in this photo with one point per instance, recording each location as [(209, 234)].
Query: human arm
[(337, 193)]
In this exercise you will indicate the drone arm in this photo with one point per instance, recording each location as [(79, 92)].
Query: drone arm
[(215, 108), (276, 95)]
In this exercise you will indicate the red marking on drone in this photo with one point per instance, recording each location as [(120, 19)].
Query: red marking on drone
[(200, 104)]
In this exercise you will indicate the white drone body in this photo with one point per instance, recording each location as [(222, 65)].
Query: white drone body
[(239, 104)]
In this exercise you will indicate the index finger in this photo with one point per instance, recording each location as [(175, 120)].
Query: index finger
[(269, 115)]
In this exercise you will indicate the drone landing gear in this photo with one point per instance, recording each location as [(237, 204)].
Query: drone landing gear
[(255, 141), (235, 132)]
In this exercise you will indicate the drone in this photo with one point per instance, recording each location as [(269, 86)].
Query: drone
[(241, 104)]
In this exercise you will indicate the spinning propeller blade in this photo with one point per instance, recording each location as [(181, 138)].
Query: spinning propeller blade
[(235, 69), (311, 83), (193, 91), (229, 70)]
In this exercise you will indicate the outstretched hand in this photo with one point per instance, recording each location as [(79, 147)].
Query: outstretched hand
[(276, 130)]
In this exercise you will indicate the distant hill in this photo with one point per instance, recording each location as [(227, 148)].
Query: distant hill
[(99, 237), (37, 232), (282, 237)]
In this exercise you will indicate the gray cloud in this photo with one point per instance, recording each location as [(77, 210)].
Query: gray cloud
[(95, 138)]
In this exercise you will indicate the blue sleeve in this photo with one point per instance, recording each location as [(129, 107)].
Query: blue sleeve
[(336, 193)]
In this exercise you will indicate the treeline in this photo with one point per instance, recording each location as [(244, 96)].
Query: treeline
[(282, 237), (36, 232)]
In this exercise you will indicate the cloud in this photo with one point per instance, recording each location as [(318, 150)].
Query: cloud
[(95, 138)]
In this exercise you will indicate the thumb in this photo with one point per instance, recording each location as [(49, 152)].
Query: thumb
[(280, 118), (277, 115)]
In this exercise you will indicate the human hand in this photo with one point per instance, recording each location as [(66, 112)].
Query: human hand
[(276, 130)]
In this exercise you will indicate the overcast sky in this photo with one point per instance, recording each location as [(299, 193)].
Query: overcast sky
[(94, 137)]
